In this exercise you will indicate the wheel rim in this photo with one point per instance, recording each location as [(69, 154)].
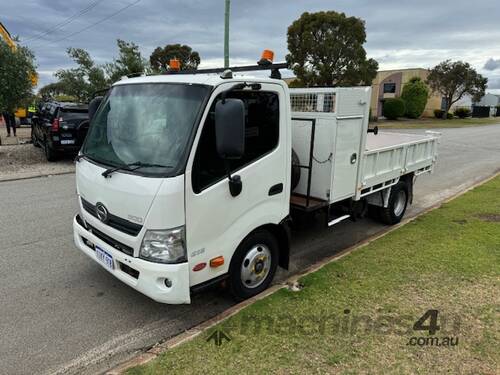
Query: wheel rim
[(256, 266), (400, 203)]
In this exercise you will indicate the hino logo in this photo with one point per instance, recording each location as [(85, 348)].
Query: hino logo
[(101, 211)]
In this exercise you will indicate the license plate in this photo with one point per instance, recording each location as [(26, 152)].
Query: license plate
[(104, 257), (67, 141)]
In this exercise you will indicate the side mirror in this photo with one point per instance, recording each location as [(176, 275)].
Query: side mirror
[(93, 106), (230, 128), (230, 136)]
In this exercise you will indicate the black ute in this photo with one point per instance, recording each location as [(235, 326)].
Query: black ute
[(60, 128)]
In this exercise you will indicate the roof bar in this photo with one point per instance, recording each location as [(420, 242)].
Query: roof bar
[(246, 68)]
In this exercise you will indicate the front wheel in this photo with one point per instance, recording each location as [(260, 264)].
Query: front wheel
[(253, 265), (398, 201)]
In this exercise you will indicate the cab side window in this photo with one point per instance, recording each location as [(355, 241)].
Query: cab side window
[(261, 137)]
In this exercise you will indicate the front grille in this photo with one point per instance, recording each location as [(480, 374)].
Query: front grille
[(115, 222), (110, 241)]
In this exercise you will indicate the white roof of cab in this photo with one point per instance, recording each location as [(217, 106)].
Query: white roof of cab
[(211, 79)]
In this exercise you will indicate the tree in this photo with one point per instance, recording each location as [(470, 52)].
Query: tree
[(160, 57), (455, 79), (129, 61), (16, 69), (52, 90), (415, 94), (326, 49), (84, 80)]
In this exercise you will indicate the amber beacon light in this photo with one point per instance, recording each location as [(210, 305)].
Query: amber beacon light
[(174, 64), (267, 57)]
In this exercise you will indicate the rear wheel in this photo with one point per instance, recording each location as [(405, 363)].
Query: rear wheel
[(50, 153), (253, 265), (396, 208)]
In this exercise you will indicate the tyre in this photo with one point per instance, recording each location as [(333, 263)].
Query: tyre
[(34, 140), (253, 265), (398, 201), (50, 153)]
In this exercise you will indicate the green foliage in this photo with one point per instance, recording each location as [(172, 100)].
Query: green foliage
[(16, 68), (296, 83), (462, 112), (394, 108), (438, 113), (65, 98), (82, 81), (129, 61), (453, 80), (326, 49), (161, 57), (51, 90), (415, 94)]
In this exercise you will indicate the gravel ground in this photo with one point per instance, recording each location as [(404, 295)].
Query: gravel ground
[(22, 160)]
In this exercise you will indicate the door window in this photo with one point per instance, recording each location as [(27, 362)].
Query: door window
[(261, 137)]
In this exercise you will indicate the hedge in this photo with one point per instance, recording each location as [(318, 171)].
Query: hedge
[(394, 108), (415, 94)]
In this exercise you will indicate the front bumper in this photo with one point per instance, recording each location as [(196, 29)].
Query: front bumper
[(145, 277)]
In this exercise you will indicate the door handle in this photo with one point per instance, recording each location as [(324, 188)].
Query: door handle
[(275, 189), (354, 157)]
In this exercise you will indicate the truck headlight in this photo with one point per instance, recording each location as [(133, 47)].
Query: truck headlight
[(164, 246)]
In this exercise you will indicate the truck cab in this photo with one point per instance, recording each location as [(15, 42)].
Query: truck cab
[(157, 205)]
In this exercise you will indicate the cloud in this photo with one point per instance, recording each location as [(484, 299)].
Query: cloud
[(492, 64), (400, 33), (494, 84)]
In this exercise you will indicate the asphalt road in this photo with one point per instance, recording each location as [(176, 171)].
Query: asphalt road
[(62, 313)]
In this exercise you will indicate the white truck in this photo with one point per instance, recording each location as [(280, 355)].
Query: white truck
[(186, 180)]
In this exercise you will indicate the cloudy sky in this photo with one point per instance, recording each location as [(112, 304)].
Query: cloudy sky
[(400, 33)]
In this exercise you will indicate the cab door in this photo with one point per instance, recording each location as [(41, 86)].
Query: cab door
[(217, 222)]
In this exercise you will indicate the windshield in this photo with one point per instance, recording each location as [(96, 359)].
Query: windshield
[(147, 124)]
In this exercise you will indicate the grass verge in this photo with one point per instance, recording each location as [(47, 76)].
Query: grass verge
[(357, 315), (428, 123)]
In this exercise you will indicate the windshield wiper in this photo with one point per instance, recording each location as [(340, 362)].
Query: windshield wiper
[(132, 167), (91, 157)]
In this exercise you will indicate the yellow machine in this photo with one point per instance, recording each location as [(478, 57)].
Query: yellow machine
[(6, 37)]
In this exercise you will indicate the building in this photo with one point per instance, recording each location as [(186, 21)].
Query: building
[(389, 84)]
